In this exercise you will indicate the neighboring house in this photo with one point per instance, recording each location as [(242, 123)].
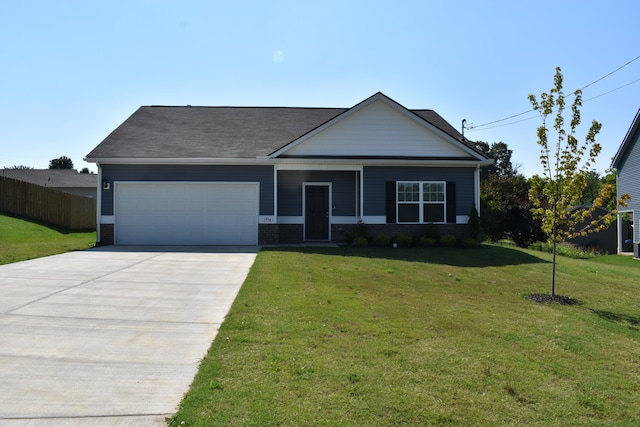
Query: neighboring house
[(252, 175), (67, 180), (627, 165)]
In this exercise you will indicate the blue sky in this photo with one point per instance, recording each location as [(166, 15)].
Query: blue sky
[(72, 71)]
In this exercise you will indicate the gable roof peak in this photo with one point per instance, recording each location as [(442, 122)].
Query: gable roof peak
[(626, 141)]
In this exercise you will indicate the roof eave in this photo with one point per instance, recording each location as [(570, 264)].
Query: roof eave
[(371, 161), (380, 161), (175, 161)]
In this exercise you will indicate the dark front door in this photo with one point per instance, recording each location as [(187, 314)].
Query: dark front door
[(316, 212)]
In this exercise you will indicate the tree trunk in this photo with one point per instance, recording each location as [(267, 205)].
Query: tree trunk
[(553, 271)]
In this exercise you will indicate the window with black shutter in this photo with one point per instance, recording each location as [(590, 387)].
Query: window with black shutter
[(420, 202)]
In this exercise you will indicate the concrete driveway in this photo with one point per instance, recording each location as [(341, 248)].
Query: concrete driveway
[(110, 336)]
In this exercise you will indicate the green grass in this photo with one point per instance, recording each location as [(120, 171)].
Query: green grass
[(429, 336), (22, 239)]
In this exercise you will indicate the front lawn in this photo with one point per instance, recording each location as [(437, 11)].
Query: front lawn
[(433, 336), (21, 239)]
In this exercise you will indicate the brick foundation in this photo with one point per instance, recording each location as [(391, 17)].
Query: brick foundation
[(273, 234), (291, 233), (340, 231), (268, 234), (106, 234)]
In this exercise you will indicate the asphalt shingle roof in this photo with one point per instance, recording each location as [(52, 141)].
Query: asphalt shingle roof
[(163, 132), (209, 132), (54, 178)]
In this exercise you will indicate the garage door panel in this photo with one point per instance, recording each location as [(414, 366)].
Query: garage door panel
[(186, 213)]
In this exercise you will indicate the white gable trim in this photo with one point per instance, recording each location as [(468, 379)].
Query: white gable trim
[(390, 103)]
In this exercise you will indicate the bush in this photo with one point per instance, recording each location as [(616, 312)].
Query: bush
[(383, 240), (430, 230), (360, 242), (470, 243), (404, 241), (348, 238), (449, 241), (361, 229), (428, 241)]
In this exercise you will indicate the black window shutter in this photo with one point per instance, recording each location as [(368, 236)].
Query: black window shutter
[(451, 202), (391, 202)]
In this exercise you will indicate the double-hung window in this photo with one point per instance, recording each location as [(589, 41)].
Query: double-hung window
[(421, 202)]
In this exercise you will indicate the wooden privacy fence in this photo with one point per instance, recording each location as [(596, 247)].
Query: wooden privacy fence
[(47, 204)]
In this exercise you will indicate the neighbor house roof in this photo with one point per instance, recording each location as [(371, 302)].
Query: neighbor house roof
[(54, 178), (165, 132), (635, 126)]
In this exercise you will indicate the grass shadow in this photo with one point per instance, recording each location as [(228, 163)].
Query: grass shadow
[(623, 319), (485, 256)]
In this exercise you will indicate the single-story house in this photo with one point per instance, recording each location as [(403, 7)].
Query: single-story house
[(626, 162), (67, 180), (268, 175)]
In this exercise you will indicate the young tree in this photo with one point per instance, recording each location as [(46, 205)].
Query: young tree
[(61, 163), (610, 178), (566, 163)]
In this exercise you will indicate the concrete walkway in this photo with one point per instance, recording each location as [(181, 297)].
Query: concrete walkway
[(110, 336)]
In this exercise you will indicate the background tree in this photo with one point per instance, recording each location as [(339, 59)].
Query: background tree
[(504, 199), (501, 154), (85, 170), (61, 163), (19, 167), (593, 185), (506, 210), (595, 182), (565, 163), (611, 179)]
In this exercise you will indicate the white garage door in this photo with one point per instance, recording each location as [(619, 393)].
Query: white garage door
[(186, 213)]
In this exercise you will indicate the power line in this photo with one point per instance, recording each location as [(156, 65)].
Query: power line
[(472, 127), (501, 120), (505, 124), (612, 90), (607, 75)]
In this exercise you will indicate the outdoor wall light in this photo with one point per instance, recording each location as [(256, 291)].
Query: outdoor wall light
[(106, 185)]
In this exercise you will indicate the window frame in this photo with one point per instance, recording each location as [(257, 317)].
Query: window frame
[(421, 202)]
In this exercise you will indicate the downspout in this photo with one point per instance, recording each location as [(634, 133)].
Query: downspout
[(98, 202), (275, 193), (619, 231), (477, 189), (361, 192)]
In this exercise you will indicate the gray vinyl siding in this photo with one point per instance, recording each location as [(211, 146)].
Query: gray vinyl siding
[(375, 178), (629, 181), (343, 187), (193, 173)]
